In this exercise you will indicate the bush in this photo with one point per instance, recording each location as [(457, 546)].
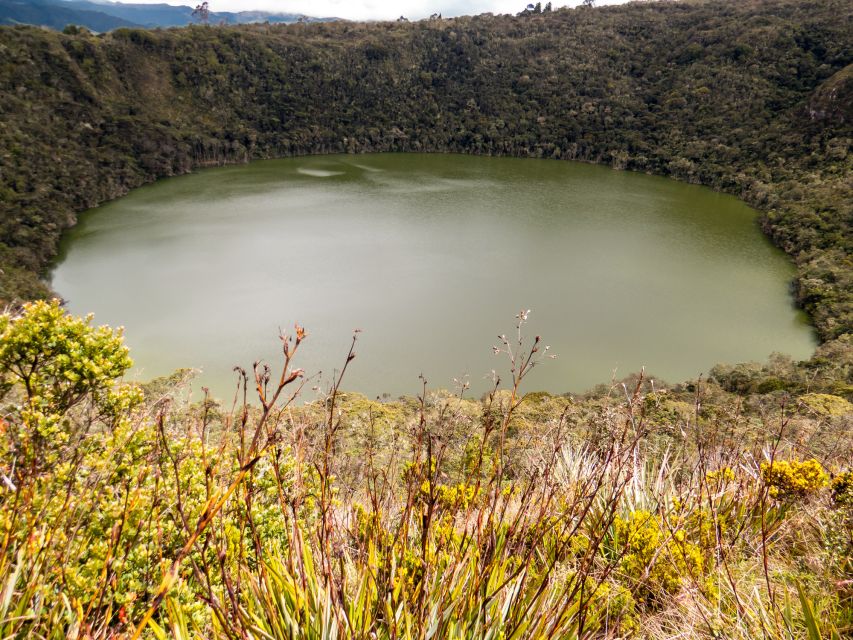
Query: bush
[(788, 480), (656, 561)]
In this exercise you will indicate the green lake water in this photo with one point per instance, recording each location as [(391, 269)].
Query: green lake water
[(431, 256)]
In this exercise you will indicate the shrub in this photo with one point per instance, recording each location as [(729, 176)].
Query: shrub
[(249, 523), (842, 489), (54, 362), (655, 561), (793, 479), (826, 405)]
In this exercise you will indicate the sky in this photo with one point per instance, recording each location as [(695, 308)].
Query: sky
[(370, 9)]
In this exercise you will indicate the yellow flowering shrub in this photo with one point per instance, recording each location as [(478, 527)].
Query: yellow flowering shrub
[(367, 524), (555, 539), (455, 497), (793, 479), (826, 404), (654, 561), (704, 528), (720, 476), (613, 607)]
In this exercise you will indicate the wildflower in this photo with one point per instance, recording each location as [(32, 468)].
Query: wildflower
[(793, 479)]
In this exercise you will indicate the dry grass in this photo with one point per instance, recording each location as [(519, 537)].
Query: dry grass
[(627, 515)]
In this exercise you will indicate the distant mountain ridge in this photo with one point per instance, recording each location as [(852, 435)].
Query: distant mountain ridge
[(56, 15), (105, 16)]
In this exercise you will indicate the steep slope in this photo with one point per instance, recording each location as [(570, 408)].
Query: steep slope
[(740, 97)]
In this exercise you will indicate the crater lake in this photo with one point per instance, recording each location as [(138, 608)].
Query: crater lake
[(431, 257)]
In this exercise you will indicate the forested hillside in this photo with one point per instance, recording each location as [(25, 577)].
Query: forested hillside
[(721, 507), (753, 98)]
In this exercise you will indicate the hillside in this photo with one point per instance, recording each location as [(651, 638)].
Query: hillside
[(56, 15), (750, 98), (105, 16), (718, 507)]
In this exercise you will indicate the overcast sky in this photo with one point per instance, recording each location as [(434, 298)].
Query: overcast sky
[(370, 9)]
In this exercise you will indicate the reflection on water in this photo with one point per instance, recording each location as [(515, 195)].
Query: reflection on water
[(432, 256)]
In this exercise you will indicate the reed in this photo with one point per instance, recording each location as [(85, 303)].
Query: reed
[(129, 512)]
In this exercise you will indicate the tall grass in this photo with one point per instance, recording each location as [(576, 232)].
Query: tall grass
[(634, 514)]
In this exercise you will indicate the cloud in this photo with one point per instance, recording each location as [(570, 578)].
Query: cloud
[(368, 9)]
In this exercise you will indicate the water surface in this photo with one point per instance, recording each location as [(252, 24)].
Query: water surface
[(431, 256)]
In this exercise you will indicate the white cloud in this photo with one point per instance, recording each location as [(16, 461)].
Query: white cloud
[(368, 9)]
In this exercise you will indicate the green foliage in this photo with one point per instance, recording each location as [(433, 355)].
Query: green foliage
[(821, 383), (842, 489), (54, 362), (112, 508), (182, 520), (71, 451), (664, 411), (59, 359), (749, 98)]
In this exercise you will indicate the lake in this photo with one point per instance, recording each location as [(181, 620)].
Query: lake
[(432, 256)]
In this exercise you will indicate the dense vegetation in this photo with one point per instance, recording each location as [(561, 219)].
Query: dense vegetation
[(753, 98), (640, 510), (716, 508)]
